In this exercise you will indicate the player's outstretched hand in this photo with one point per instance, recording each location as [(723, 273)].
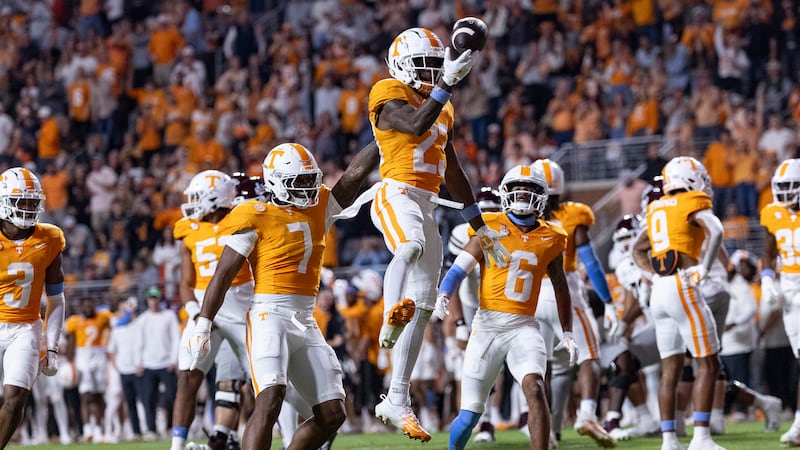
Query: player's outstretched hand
[(200, 342), (568, 343), (455, 70), (494, 253), (440, 309), (50, 363), (611, 319)]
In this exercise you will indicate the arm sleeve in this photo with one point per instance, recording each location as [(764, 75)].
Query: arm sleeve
[(714, 227), (595, 271), (242, 243), (54, 319), (463, 265)]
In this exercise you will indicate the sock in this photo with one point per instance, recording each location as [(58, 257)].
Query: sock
[(669, 436), (461, 429), (680, 421), (796, 423), (701, 433), (405, 355), (717, 417), (494, 415), (588, 408), (611, 415), (87, 429), (561, 386), (222, 429), (394, 282), (179, 435)]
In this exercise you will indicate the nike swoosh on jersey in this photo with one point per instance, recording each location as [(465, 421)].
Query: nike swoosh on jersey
[(39, 245), (547, 238)]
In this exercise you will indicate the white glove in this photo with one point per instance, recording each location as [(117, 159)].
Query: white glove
[(50, 363), (643, 293), (455, 70), (493, 250), (695, 274), (568, 343), (611, 319), (200, 342), (440, 310), (462, 331)]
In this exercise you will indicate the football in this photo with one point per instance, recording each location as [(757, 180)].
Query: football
[(469, 33)]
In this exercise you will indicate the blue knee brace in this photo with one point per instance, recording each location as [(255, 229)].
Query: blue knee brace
[(461, 429)]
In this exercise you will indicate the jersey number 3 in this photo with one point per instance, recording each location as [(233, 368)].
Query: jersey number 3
[(23, 272)]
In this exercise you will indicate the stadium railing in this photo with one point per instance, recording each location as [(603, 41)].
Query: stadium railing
[(603, 160)]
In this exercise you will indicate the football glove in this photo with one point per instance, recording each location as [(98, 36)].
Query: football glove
[(568, 343), (611, 320), (455, 70), (200, 342), (493, 250), (440, 309), (50, 363)]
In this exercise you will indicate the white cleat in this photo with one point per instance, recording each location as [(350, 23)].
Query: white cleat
[(196, 446), (553, 445), (396, 320), (592, 429), (791, 438), (402, 417), (704, 444), (671, 445), (646, 426), (621, 434), (772, 413), (483, 436)]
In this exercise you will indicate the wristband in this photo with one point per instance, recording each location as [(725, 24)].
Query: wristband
[(440, 95), (470, 212), (767, 273), (203, 325), (460, 322)]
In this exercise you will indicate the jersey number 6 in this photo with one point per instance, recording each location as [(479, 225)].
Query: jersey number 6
[(519, 281)]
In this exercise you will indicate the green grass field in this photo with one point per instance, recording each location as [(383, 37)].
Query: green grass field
[(748, 436)]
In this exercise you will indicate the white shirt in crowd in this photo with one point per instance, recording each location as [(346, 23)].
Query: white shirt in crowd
[(124, 346), (159, 336), (740, 338)]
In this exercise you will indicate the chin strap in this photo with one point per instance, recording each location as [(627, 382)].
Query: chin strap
[(525, 221)]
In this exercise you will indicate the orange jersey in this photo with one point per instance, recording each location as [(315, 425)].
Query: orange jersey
[(89, 332), (22, 271), (287, 258), (784, 225), (571, 215), (416, 160), (515, 289), (668, 225), (203, 241)]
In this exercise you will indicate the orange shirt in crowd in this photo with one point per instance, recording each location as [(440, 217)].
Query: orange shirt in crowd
[(717, 163), (746, 168), (263, 134), (176, 128), (201, 153), (78, 93), (184, 98), (166, 218), (643, 12), (119, 54), (350, 106), (49, 144), (729, 12), (55, 188), (149, 133), (545, 6), (90, 7), (704, 32), (165, 44), (644, 115)]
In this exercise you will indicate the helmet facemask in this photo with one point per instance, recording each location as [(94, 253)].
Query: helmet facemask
[(22, 210), (523, 198), (298, 189), (786, 192)]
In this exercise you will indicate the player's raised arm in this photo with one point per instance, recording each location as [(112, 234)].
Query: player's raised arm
[(639, 251), (465, 262), (54, 314), (345, 190), (459, 187)]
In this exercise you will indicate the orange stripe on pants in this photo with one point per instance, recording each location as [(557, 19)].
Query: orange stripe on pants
[(688, 316), (249, 341), (387, 208), (587, 331), (703, 328)]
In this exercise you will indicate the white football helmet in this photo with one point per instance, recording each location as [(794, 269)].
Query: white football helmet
[(413, 52), (292, 175), (532, 199), (21, 198), (685, 172), (208, 191), (553, 174), (786, 183), (370, 283)]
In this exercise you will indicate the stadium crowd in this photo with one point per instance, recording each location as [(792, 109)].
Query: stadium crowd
[(117, 104)]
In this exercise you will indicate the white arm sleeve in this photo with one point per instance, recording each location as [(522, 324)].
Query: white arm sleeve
[(54, 319), (714, 228), (242, 243)]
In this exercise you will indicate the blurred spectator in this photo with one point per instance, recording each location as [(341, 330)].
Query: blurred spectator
[(81, 245), (629, 194), (371, 252), (777, 139), (745, 171), (719, 161), (653, 164), (167, 258), (122, 352), (158, 357), (49, 142), (736, 228), (773, 91), (55, 184), (165, 44), (100, 183), (733, 62)]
